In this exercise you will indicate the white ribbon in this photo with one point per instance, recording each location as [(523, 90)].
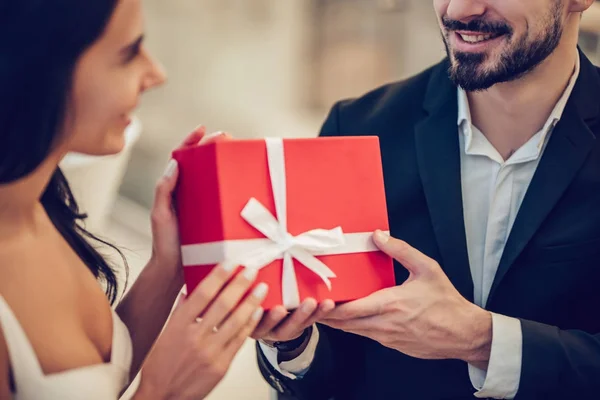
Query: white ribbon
[(279, 243)]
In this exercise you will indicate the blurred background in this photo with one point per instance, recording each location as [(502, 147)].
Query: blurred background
[(253, 68)]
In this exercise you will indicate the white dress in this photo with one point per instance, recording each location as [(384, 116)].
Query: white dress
[(95, 382)]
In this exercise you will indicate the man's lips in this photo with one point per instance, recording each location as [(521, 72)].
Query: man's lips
[(476, 37), (474, 42)]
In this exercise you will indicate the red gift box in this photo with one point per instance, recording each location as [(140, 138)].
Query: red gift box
[(302, 211)]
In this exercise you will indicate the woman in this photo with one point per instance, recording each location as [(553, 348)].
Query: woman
[(70, 73)]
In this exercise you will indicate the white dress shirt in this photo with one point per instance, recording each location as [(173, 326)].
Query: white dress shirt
[(493, 190)]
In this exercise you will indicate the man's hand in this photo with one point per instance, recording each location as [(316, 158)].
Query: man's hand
[(279, 326), (426, 317)]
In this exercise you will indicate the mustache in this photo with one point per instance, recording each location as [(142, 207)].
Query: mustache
[(477, 25)]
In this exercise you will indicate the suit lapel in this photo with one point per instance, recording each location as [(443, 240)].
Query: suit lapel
[(565, 154), (438, 153)]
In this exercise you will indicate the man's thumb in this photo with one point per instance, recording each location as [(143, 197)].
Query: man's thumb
[(412, 259)]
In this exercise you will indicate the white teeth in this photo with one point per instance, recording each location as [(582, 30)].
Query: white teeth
[(475, 38)]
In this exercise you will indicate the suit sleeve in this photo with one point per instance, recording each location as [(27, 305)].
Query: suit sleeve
[(558, 364), (337, 355), (295, 368), (331, 126), (336, 362)]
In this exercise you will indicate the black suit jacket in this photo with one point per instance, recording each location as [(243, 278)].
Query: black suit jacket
[(549, 274)]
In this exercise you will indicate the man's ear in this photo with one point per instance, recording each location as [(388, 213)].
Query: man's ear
[(578, 6)]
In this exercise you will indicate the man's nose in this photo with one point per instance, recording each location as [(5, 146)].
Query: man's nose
[(465, 10)]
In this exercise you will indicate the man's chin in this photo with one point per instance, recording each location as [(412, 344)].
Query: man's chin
[(471, 78)]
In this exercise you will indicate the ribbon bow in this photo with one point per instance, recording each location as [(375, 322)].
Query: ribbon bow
[(284, 245)]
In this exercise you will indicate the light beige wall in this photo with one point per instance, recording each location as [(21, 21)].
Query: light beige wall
[(242, 66)]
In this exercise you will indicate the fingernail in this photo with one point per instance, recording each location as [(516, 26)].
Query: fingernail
[(260, 291), (328, 306), (250, 274), (307, 306), (171, 167), (228, 266), (381, 237), (180, 298), (257, 315), (211, 136)]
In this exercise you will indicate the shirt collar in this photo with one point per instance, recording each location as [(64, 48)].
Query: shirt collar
[(464, 112)]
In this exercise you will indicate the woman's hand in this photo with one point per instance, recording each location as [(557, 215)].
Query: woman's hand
[(166, 250), (193, 355)]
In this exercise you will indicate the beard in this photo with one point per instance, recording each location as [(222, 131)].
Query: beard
[(467, 69)]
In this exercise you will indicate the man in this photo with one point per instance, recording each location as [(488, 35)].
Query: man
[(492, 169)]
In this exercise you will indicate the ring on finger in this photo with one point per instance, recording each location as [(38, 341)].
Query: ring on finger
[(214, 328)]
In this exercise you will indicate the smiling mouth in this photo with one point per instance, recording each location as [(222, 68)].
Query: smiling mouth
[(475, 38)]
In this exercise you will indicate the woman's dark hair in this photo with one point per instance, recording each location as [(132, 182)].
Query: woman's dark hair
[(40, 44)]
